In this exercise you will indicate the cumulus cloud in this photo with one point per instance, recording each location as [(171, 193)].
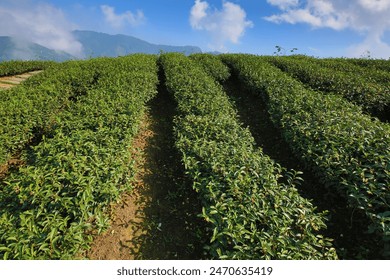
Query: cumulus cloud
[(369, 17), (118, 21), (39, 23), (317, 13), (225, 25)]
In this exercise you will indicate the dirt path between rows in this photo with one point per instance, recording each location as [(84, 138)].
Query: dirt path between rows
[(11, 81), (158, 219)]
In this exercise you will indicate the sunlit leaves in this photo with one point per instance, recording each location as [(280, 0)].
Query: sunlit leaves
[(250, 214), (347, 150), (82, 162)]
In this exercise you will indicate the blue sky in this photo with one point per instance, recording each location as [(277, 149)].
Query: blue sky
[(322, 28)]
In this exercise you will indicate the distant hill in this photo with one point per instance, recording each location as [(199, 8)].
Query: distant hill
[(95, 44), (101, 44), (17, 49)]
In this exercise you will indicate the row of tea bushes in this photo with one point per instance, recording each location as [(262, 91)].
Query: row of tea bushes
[(251, 215), (346, 149), (50, 206)]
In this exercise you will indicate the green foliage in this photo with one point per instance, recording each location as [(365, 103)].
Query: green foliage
[(372, 74), (347, 150), (376, 64), (372, 96), (213, 65), (48, 207), (73, 125), (29, 110), (251, 215), (14, 67), (282, 51)]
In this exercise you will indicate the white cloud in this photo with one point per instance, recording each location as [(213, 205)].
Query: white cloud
[(198, 14), (284, 4), (375, 5), (369, 17), (298, 15), (39, 23), (372, 45), (121, 20), (225, 25), (317, 13)]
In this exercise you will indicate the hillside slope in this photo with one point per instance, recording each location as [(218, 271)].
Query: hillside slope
[(18, 49), (102, 44)]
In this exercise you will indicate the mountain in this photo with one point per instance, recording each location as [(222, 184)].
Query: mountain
[(18, 49), (101, 44), (95, 44)]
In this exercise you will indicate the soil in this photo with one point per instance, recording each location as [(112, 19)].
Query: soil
[(158, 219), (345, 226), (11, 81)]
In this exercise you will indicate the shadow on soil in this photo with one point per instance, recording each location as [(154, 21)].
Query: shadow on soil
[(171, 228)]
